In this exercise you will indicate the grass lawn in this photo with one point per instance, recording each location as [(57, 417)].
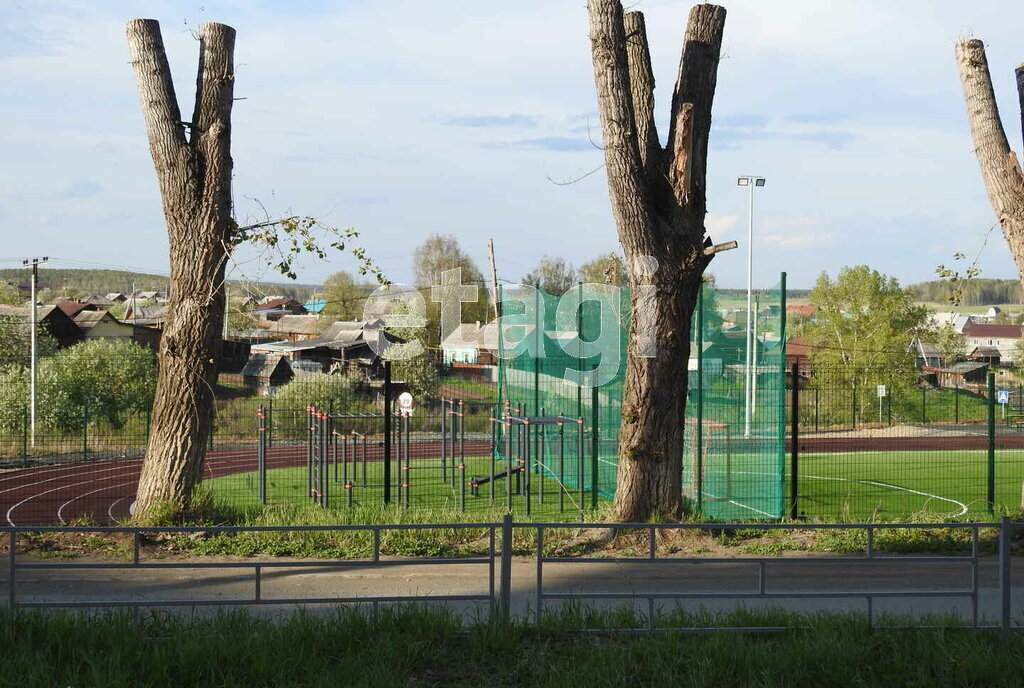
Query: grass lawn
[(887, 486), (895, 485), (413, 646), (427, 490)]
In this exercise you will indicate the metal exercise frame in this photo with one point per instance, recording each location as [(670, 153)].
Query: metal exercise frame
[(526, 454)]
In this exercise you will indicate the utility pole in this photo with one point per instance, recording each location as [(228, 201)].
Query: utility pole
[(494, 277), (34, 263)]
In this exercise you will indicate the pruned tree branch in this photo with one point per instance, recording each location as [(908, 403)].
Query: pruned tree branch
[(1000, 167), (641, 81)]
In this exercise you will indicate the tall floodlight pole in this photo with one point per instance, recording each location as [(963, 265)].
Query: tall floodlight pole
[(748, 378), (33, 263)]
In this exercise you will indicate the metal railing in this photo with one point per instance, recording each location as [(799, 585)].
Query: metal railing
[(138, 563), (498, 563), (759, 589)]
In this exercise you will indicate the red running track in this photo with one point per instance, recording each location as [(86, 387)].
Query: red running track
[(102, 492)]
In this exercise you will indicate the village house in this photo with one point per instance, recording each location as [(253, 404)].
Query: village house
[(991, 343)]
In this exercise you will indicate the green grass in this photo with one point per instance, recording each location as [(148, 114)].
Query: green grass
[(839, 485), (414, 646), (428, 492)]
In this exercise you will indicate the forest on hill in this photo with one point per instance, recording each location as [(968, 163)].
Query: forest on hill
[(84, 282), (975, 292)]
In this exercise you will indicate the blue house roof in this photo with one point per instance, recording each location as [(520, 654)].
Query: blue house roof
[(315, 305)]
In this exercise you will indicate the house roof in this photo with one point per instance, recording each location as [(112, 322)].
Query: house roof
[(925, 349), (116, 296), (974, 329), (985, 352), (315, 305), (264, 365), (279, 304), (96, 300), (807, 309), (296, 324), (476, 335), (86, 320), (147, 313), (71, 307), (964, 367), (339, 335)]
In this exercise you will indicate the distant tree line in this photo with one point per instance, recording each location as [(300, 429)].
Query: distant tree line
[(975, 291), (77, 282)]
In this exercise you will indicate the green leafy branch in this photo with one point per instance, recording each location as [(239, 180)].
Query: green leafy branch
[(291, 237), (957, 279)]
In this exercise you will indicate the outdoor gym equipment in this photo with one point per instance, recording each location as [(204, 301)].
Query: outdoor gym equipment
[(525, 451)]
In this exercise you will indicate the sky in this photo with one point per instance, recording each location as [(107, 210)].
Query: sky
[(402, 118)]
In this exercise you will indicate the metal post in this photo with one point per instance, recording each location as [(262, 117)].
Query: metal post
[(444, 440), (924, 403), (1005, 538), (595, 445), (85, 432), (991, 442), (956, 405), (854, 405), (387, 432), (34, 263), (262, 453), (462, 456), (561, 466), (750, 298), (794, 448), (699, 429), (506, 567), (24, 439)]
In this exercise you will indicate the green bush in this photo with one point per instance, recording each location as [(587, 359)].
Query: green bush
[(326, 391), (98, 379)]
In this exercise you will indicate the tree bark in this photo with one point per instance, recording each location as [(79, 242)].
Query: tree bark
[(194, 175), (1000, 167), (658, 201)]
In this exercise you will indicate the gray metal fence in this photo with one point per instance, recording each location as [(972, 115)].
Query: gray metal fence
[(524, 588)]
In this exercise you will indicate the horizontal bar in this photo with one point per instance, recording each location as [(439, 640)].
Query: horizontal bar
[(330, 563), (242, 529), (752, 595), (759, 526), (965, 558), (261, 601)]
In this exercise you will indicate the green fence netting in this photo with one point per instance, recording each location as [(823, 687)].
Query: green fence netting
[(566, 356)]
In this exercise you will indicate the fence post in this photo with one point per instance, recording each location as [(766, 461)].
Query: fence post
[(24, 439), (924, 403), (1005, 538), (991, 442), (794, 448), (387, 432), (262, 454), (595, 440), (506, 567), (854, 405), (956, 404), (698, 479), (85, 432)]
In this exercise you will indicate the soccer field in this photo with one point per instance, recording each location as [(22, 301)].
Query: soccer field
[(895, 485)]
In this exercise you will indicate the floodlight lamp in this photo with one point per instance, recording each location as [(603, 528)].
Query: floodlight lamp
[(759, 181), (743, 181)]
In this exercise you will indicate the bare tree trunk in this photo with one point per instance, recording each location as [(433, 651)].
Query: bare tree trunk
[(194, 173), (658, 201), (999, 165)]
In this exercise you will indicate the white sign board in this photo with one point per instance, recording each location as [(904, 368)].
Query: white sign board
[(1003, 396), (881, 391), (405, 404)]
